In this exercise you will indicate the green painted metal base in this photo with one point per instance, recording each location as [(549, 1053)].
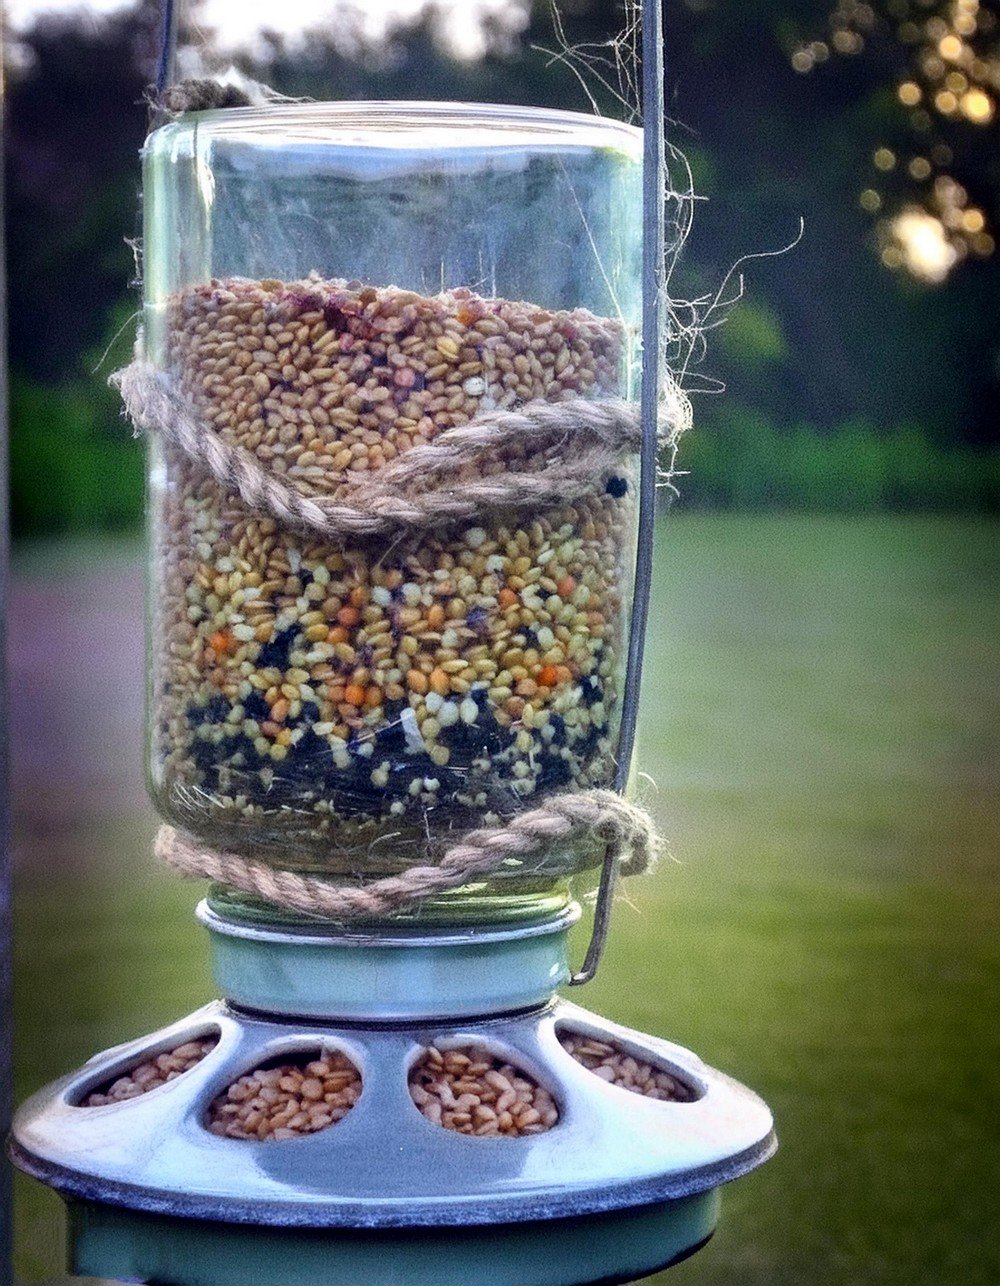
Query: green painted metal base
[(619, 1246), (429, 973)]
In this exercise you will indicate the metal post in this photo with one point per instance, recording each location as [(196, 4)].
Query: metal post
[(6, 968)]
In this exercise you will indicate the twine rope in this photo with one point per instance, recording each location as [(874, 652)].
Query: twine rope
[(427, 486), (626, 830), (423, 487)]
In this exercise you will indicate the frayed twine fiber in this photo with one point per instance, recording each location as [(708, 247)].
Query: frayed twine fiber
[(206, 94), (626, 830), (201, 96)]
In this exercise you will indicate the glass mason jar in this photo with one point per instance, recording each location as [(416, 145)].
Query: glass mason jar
[(330, 285)]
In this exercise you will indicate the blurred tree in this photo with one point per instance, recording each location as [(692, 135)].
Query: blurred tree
[(769, 145), (75, 122), (933, 178)]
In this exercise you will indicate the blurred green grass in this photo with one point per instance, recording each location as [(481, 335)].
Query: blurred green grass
[(819, 719)]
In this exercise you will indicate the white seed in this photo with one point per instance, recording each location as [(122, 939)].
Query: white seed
[(411, 729)]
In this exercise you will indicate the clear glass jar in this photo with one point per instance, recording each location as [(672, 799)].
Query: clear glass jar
[(331, 285)]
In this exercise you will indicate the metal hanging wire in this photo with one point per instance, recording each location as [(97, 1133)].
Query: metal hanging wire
[(165, 63), (654, 175)]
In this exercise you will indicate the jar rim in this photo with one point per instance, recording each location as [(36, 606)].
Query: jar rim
[(401, 125)]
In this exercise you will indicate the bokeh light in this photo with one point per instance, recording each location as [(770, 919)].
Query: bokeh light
[(977, 106), (951, 82), (920, 244)]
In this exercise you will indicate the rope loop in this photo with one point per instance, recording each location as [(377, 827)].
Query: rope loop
[(561, 820), (569, 444)]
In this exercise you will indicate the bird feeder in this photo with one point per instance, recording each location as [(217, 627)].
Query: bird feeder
[(394, 353)]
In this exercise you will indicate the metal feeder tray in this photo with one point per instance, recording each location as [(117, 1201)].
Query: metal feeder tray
[(621, 1186)]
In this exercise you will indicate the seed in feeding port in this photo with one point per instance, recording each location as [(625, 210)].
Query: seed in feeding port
[(288, 1100), (615, 1065), (472, 1091), (153, 1072)]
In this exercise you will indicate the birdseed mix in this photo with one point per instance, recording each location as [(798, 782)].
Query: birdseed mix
[(287, 1101), (309, 699), (153, 1073), (471, 1091), (617, 1066)]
